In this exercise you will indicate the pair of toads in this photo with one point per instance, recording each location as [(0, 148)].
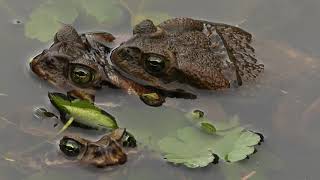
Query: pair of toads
[(165, 60)]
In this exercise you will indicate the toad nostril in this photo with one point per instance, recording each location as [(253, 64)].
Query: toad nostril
[(50, 62), (126, 53)]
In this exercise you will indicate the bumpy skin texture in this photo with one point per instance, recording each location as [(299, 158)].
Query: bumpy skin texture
[(89, 51), (182, 51), (202, 54), (107, 151), (69, 48)]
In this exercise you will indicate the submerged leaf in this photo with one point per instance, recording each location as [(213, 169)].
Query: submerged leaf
[(45, 20), (105, 11), (156, 17), (149, 124)]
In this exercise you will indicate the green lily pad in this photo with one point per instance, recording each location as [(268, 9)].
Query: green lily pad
[(185, 148), (243, 147), (193, 148)]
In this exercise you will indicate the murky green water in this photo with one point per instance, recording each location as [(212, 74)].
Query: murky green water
[(284, 104)]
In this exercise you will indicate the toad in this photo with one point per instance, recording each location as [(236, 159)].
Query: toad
[(107, 151), (155, 63)]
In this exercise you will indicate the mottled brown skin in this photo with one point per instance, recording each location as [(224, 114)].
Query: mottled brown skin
[(197, 53), (107, 151), (203, 54), (88, 51), (54, 64)]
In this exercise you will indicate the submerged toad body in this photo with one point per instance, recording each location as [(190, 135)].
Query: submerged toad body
[(203, 54), (107, 151), (156, 60), (111, 149)]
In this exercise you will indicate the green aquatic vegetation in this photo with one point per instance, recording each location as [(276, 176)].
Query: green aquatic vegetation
[(236, 146), (193, 148), (152, 99), (83, 112), (139, 10), (150, 124), (47, 18), (105, 11), (187, 147), (198, 118)]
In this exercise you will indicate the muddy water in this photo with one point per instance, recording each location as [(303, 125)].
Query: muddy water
[(283, 104)]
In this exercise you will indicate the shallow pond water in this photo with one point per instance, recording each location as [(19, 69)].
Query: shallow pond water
[(283, 104)]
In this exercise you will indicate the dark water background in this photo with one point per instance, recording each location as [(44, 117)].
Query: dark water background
[(284, 104)]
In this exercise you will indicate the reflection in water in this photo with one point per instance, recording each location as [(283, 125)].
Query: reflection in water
[(283, 104)]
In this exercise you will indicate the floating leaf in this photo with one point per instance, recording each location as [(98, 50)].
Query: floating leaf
[(83, 112), (243, 147), (189, 147), (193, 148)]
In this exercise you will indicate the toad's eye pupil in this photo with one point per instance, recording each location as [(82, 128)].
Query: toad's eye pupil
[(155, 64), (81, 75), (129, 140), (70, 147)]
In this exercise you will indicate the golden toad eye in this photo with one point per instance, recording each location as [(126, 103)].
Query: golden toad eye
[(70, 147), (155, 64), (81, 75)]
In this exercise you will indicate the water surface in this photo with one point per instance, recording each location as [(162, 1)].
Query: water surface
[(283, 104)]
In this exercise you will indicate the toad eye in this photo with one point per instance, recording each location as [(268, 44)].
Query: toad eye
[(70, 147), (81, 75), (129, 140), (155, 64)]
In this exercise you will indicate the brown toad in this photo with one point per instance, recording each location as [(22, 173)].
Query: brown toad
[(156, 61), (107, 151), (203, 54)]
